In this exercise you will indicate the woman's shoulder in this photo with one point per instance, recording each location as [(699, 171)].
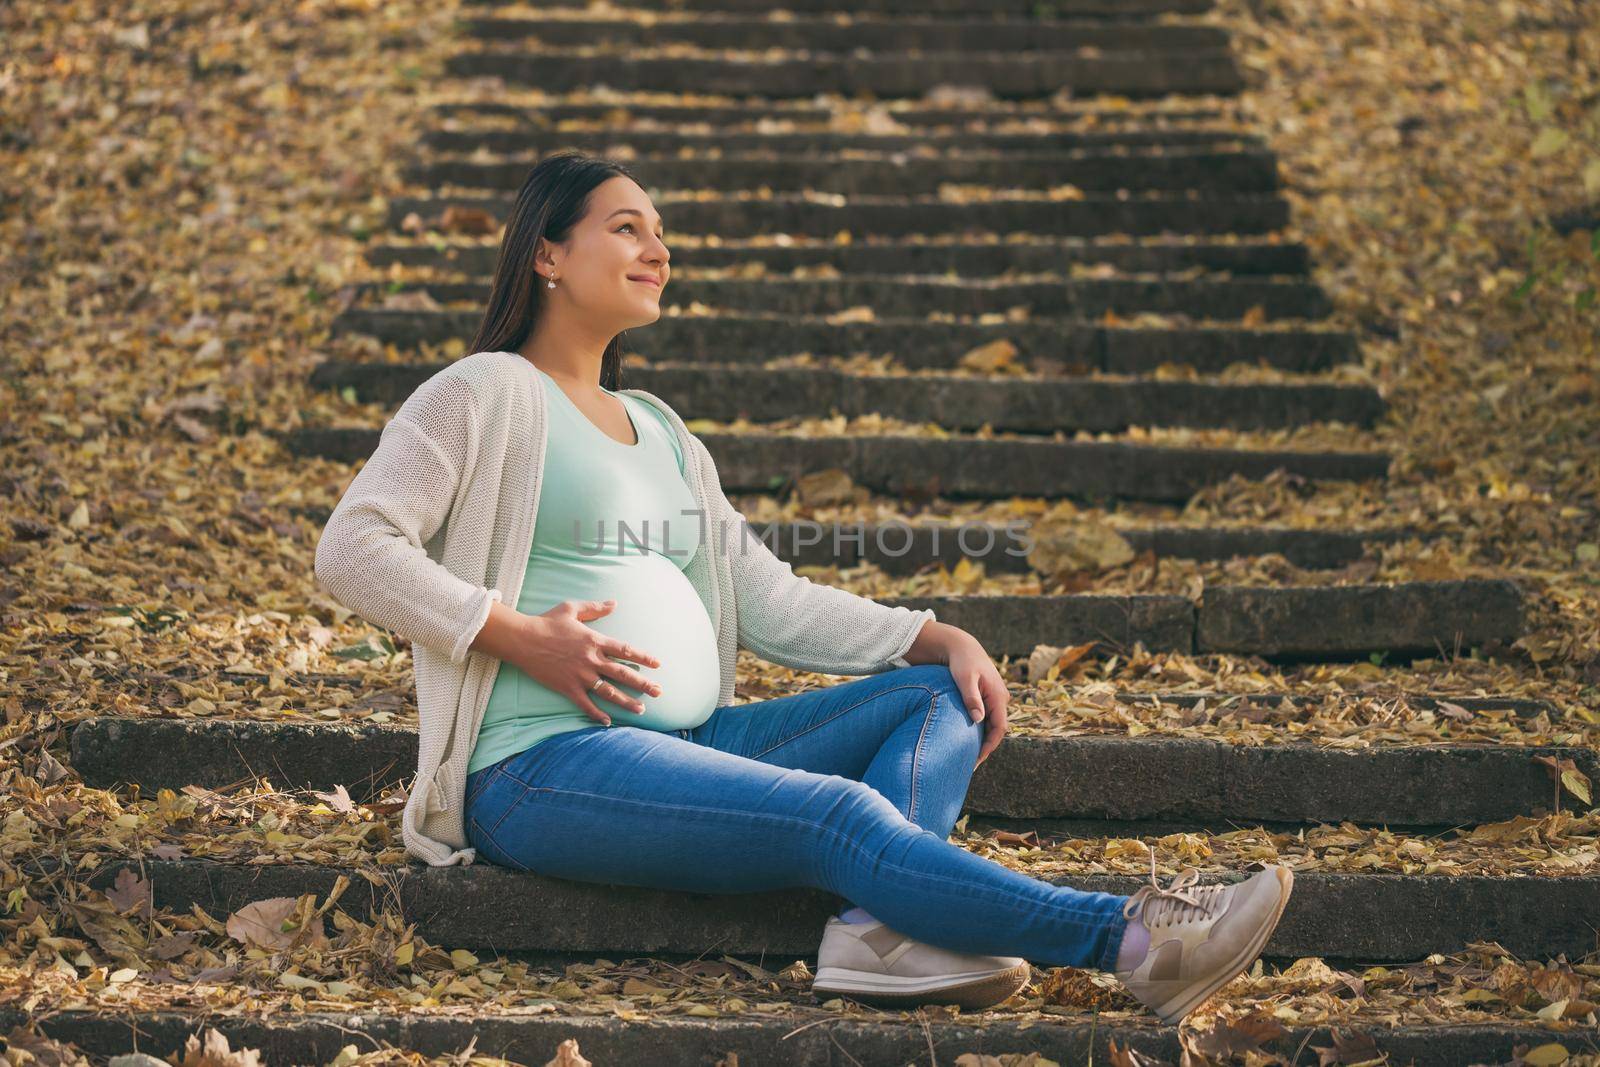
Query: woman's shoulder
[(489, 379), (489, 366)]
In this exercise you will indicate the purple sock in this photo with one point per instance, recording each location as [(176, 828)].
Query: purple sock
[(855, 915), (1135, 943)]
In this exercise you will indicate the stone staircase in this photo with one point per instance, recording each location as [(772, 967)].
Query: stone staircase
[(1165, 253)]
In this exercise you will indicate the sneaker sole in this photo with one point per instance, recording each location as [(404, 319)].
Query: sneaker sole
[(1173, 1011), (982, 989)]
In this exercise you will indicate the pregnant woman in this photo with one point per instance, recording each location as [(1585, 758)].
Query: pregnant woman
[(575, 586)]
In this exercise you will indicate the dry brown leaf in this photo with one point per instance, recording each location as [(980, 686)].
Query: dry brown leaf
[(567, 1055), (274, 924), (466, 220), (212, 1050)]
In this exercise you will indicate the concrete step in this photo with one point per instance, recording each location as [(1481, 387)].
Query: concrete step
[(1020, 405), (1520, 707), (1024, 75), (966, 259), (680, 1040), (959, 466), (963, 9), (1092, 215), (1057, 346), (1174, 781), (728, 140), (904, 296), (1309, 622), (545, 111), (1334, 915), (1292, 705), (864, 33), (1220, 169), (907, 548)]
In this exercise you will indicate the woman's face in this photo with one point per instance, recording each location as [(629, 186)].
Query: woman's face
[(612, 258)]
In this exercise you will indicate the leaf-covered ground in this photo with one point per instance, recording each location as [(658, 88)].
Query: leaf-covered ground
[(187, 191)]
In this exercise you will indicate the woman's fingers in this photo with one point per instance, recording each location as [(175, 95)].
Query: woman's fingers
[(623, 650), (618, 696), (996, 696), (624, 674), (972, 694), (581, 698)]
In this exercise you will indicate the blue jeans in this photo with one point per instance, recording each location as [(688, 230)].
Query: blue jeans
[(852, 789)]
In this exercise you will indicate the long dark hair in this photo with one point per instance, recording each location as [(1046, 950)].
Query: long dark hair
[(552, 200)]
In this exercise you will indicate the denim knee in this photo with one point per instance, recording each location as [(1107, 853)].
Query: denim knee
[(937, 677)]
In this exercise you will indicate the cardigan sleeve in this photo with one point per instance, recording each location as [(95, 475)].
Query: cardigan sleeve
[(370, 556), (788, 619)]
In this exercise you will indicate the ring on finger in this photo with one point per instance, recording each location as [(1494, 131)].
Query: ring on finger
[(598, 682)]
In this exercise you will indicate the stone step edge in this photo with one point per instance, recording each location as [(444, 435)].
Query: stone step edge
[(853, 176), (1144, 72), (1029, 777), (469, 143), (443, 324), (1092, 243), (1522, 707), (1101, 9), (686, 1041), (469, 288), (956, 466), (1315, 623), (1184, 55), (1076, 343), (1309, 549), (1373, 916), (334, 372), (1231, 299), (1367, 462), (556, 106), (459, 123), (387, 250), (1009, 404), (1131, 154), (489, 199), (502, 26), (876, 217)]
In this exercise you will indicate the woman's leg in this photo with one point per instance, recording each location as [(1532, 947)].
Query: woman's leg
[(905, 732), (627, 806)]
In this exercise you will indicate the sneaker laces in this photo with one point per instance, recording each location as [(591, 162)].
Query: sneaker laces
[(1177, 903)]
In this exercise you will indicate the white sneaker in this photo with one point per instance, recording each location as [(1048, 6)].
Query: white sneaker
[(876, 964)]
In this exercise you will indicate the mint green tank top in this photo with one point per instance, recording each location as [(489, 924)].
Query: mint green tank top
[(618, 521)]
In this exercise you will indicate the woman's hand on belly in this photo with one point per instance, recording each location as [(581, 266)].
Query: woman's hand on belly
[(564, 655), (658, 608)]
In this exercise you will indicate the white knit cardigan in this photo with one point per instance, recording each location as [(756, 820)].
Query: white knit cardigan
[(438, 523)]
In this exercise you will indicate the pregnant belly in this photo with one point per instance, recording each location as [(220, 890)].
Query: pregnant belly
[(657, 612)]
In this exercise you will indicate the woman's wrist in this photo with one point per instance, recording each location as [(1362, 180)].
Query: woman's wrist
[(934, 642), (505, 632)]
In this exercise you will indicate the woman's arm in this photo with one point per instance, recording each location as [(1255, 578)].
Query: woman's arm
[(505, 632), (789, 619), (934, 643), (370, 556)]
